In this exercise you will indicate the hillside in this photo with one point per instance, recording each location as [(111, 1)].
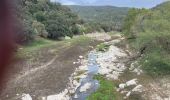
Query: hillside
[(148, 33), (110, 15), (162, 6), (44, 18)]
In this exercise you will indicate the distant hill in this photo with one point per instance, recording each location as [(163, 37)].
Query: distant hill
[(163, 6), (109, 15)]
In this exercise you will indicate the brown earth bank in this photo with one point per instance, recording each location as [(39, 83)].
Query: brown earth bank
[(45, 71)]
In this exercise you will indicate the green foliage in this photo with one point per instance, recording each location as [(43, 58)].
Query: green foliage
[(40, 16), (106, 90), (75, 29), (46, 19), (23, 25), (32, 47), (38, 43), (148, 33), (39, 29), (57, 30), (102, 47), (59, 20), (99, 18), (130, 21), (156, 63)]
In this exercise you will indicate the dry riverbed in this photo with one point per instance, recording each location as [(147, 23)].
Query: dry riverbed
[(65, 71), (108, 64)]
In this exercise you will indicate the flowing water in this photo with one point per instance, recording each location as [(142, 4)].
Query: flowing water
[(93, 67)]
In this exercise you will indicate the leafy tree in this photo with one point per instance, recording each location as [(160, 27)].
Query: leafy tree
[(46, 19), (39, 29), (57, 30), (40, 16)]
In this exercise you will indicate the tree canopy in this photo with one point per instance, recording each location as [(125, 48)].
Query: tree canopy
[(44, 18)]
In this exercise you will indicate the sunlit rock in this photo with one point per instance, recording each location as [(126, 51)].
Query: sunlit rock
[(61, 96), (131, 82), (85, 87), (26, 97)]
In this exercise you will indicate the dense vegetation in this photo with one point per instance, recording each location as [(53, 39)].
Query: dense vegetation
[(54, 21), (44, 18), (100, 18), (148, 32)]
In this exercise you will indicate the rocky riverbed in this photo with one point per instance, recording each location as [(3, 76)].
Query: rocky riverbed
[(107, 63)]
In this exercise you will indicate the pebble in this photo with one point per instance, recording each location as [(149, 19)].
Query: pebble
[(81, 57)]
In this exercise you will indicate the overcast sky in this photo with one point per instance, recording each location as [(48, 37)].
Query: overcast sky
[(119, 3)]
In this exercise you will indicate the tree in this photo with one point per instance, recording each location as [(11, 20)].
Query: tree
[(39, 29)]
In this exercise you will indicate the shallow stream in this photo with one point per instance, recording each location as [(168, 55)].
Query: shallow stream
[(93, 68)]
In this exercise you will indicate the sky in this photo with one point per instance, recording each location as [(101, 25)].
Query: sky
[(118, 3)]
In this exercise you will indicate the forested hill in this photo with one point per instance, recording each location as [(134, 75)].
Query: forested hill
[(148, 32), (107, 15), (44, 18)]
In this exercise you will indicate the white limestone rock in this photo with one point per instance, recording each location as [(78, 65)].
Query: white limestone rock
[(26, 97), (128, 94), (85, 87), (81, 57), (61, 96), (138, 88), (122, 86), (104, 71), (131, 82), (83, 67)]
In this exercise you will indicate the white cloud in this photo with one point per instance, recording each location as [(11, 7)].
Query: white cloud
[(68, 2), (65, 2), (89, 1)]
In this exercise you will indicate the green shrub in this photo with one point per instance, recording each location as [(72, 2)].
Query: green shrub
[(56, 30), (75, 29), (40, 16), (102, 47), (39, 29), (106, 91), (156, 63)]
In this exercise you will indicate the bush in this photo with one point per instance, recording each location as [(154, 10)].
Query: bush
[(24, 32), (106, 91), (75, 29), (39, 29), (40, 16), (57, 30), (156, 63), (102, 47)]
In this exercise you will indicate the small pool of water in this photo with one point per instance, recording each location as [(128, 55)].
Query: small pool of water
[(93, 68)]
